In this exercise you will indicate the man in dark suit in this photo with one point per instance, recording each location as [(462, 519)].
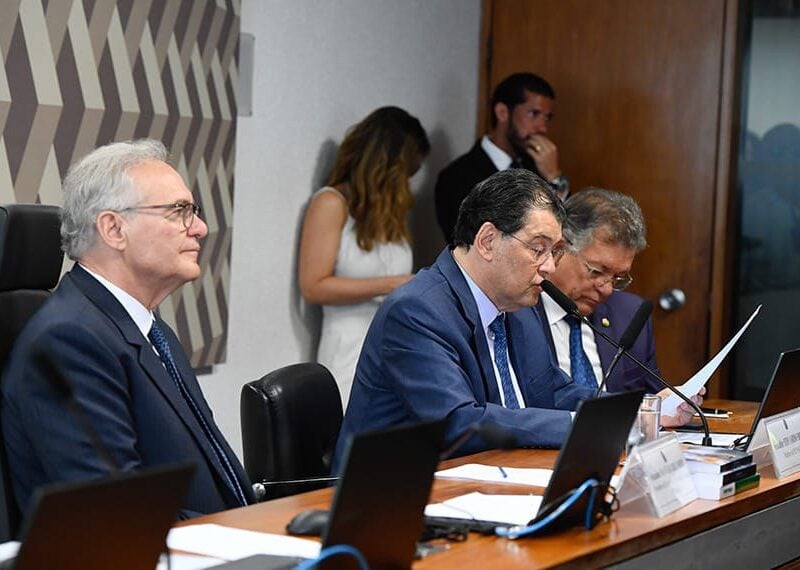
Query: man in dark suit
[(460, 339), (133, 227), (605, 230), (521, 109)]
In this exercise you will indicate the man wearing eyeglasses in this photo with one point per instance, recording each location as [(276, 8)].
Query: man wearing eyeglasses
[(605, 230), (460, 339), (521, 110), (134, 230)]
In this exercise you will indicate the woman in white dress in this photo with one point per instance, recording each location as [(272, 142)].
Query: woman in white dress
[(355, 247)]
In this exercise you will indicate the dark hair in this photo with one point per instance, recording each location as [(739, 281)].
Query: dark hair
[(511, 91), (375, 160), (617, 216), (505, 199)]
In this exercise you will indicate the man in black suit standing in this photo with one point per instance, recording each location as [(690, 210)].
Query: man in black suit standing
[(522, 108)]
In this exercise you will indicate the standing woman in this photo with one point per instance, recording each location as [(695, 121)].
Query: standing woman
[(355, 243)]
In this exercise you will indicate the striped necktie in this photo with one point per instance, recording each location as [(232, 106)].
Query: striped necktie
[(498, 327)]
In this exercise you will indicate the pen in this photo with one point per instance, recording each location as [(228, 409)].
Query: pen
[(503, 472)]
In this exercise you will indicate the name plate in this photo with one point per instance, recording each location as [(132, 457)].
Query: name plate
[(783, 432), (659, 469)]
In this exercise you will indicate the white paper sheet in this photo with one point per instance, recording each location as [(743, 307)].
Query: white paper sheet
[(495, 474), (504, 509), (233, 543), (8, 550), (692, 386)]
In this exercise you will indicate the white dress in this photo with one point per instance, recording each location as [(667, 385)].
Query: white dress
[(344, 327)]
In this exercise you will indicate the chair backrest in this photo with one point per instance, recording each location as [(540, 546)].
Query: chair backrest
[(30, 264), (290, 422)]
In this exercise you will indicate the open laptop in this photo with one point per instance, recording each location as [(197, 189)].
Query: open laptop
[(598, 436), (379, 501), (782, 394), (120, 521), (592, 450)]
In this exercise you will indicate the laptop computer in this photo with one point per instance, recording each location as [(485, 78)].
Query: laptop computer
[(592, 451), (598, 436), (379, 500), (120, 521)]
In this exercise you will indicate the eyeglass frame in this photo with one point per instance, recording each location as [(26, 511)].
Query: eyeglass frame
[(540, 253), (615, 280), (188, 210)]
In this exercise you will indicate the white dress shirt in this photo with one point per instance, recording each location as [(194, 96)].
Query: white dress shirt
[(559, 329), (141, 315), (498, 156)]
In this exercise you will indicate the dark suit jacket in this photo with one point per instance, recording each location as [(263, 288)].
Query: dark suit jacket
[(457, 179), (619, 310), (426, 357), (121, 386), (455, 182)]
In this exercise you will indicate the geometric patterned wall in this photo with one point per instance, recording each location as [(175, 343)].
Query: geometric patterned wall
[(81, 73)]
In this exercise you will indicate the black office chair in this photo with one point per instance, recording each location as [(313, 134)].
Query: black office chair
[(30, 264), (290, 422)]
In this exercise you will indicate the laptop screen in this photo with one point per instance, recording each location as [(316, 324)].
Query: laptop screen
[(783, 392)]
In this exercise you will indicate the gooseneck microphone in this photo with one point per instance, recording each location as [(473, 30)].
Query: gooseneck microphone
[(628, 338), (495, 436), (569, 306), (66, 393)]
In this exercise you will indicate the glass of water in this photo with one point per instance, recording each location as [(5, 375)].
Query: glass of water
[(649, 418)]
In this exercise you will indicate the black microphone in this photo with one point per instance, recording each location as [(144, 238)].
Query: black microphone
[(260, 487), (495, 436), (628, 338), (66, 393), (569, 306)]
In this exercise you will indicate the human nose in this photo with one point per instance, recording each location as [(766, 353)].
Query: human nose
[(198, 228), (548, 265)]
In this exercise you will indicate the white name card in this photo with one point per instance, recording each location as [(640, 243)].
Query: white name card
[(783, 432), (660, 470)]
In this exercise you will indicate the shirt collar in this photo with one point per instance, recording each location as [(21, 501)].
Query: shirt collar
[(141, 315), (486, 309), (552, 309), (498, 156)]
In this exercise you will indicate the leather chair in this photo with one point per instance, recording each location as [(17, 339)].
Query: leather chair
[(30, 265), (290, 422)]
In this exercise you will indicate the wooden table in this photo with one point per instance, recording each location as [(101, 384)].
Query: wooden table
[(739, 530)]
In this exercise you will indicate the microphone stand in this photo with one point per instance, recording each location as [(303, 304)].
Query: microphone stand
[(570, 307)]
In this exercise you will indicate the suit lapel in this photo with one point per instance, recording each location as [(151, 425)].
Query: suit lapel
[(548, 334), (452, 273), (149, 361), (604, 349)]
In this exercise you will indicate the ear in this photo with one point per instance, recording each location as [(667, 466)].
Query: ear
[(487, 240), (111, 229), (501, 113)]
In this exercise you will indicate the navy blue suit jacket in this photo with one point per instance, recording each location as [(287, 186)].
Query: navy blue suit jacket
[(426, 357), (618, 311), (120, 384)]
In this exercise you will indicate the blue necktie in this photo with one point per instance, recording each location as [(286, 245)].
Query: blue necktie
[(582, 372), (156, 336), (498, 327)]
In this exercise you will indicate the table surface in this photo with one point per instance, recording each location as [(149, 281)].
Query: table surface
[(627, 534)]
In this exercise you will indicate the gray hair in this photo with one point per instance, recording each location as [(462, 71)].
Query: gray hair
[(101, 181), (616, 215)]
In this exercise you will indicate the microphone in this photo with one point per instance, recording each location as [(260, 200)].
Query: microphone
[(260, 488), (570, 307), (495, 436), (65, 392), (628, 338)]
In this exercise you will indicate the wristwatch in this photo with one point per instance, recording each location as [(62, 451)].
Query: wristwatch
[(560, 184)]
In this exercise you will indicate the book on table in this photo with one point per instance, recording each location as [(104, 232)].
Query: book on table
[(702, 459), (719, 479), (717, 492)]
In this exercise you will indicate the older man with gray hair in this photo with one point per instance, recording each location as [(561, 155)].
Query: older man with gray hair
[(605, 230), (134, 230)]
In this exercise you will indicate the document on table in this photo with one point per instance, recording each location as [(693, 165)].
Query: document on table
[(502, 509), (233, 543), (495, 474), (692, 386)]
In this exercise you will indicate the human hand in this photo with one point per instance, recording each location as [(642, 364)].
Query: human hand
[(545, 154), (684, 413)]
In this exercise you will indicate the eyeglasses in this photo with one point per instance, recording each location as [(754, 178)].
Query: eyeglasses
[(540, 253), (600, 278), (188, 210)]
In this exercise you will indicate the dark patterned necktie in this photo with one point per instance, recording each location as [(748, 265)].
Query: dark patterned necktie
[(581, 368), (156, 336), (498, 327)]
